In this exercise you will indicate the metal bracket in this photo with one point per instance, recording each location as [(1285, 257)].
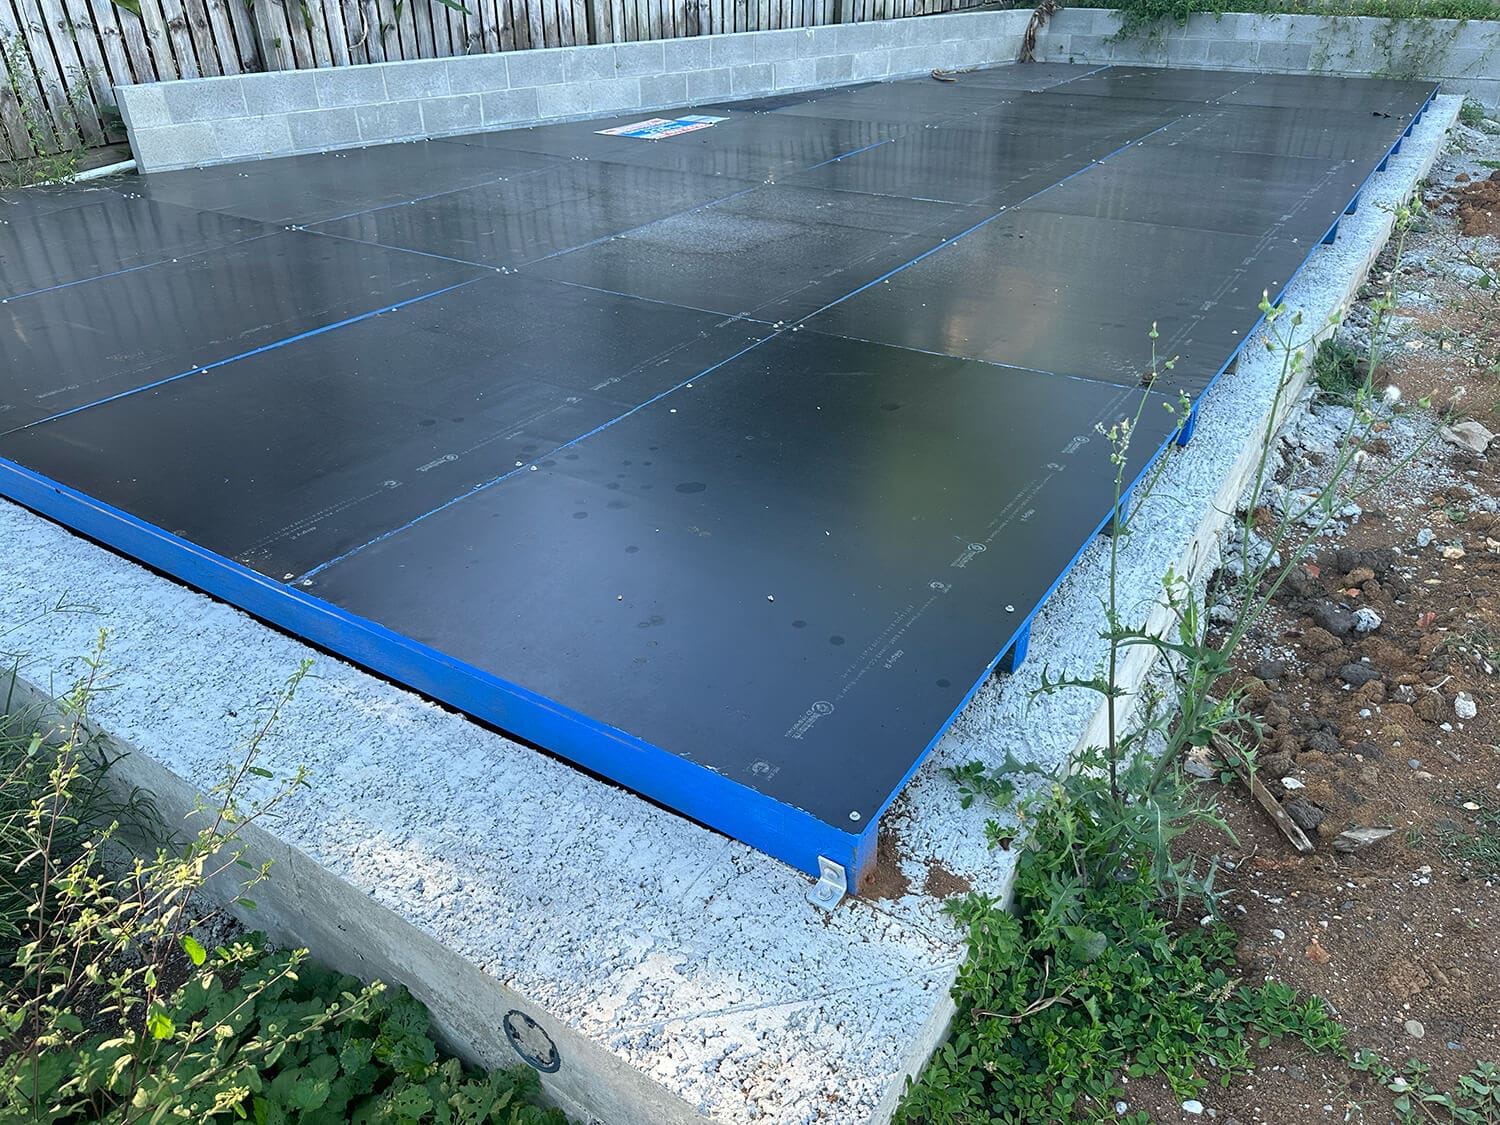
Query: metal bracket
[(831, 887)]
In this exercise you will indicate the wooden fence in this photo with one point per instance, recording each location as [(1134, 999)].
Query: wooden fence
[(59, 59)]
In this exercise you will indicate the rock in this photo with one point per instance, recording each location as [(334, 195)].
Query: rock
[(1323, 741), (1366, 620), (1333, 617), (1277, 714), (1415, 1029), (1318, 639), (1373, 692), (1468, 435), (1359, 576), (1193, 1106), (1404, 693), (1425, 537), (1275, 766), (1306, 815), (1429, 706), (1464, 706), (1357, 675), (1292, 783), (1353, 839), (1270, 669), (1453, 552)]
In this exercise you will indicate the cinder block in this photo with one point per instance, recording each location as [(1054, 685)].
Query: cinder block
[(1094, 49), (255, 137), (567, 100), (414, 81), (1187, 52), (614, 95), (832, 69), (175, 146), (1283, 56), (203, 99), (871, 64), (534, 68), (635, 60), (754, 78), (773, 46), (709, 85), (509, 107), (283, 92), (687, 54), (478, 74), (1478, 35), (733, 50), (320, 129), (588, 64), (389, 121), (1229, 54), (916, 60), (794, 74), (1485, 91), (351, 85), (664, 90), (458, 113), (142, 107)]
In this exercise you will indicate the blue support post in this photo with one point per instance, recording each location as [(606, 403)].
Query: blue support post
[(1016, 654), (1353, 204), (1333, 232), (1185, 434)]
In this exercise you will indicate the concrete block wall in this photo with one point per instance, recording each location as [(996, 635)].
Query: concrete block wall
[(1462, 54), (217, 120)]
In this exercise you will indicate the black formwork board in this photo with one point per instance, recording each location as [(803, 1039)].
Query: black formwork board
[(781, 574), (70, 347), (334, 439), (726, 465), (1078, 295), (778, 252)]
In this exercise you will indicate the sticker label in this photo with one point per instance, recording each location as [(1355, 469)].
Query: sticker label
[(658, 128)]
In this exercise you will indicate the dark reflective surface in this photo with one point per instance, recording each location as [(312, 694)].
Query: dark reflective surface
[(519, 220), (288, 458), (1077, 296), (791, 573), (788, 564), (65, 348), (73, 236), (786, 249), (306, 189)]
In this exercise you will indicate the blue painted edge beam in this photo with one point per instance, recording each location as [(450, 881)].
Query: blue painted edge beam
[(789, 834), (1015, 655)]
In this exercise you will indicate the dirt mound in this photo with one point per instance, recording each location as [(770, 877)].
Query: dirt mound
[(1478, 206)]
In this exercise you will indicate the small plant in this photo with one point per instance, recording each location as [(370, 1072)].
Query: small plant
[(113, 1008), (1336, 369), (1471, 113), (1475, 1100), (50, 149)]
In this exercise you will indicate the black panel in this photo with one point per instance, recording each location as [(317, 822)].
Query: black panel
[(288, 458), (959, 165), (810, 558), (1171, 183), (1027, 76), (305, 189), (519, 220), (1397, 97), (778, 251), (65, 348), (1295, 131), (1077, 296), (82, 234), (754, 146), (1191, 86)]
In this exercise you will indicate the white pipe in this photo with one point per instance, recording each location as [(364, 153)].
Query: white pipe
[(107, 170)]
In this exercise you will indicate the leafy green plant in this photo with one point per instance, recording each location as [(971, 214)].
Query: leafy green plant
[(1475, 1099), (1471, 113), (1336, 369), (113, 1009), (48, 149)]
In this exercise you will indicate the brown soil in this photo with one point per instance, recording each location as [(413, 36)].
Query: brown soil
[(1401, 938)]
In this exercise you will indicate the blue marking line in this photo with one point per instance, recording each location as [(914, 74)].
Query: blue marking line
[(246, 355)]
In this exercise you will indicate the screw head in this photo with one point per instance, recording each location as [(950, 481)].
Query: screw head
[(854, 816)]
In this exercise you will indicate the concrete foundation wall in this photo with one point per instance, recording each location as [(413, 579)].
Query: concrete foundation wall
[(1462, 54), (217, 120)]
